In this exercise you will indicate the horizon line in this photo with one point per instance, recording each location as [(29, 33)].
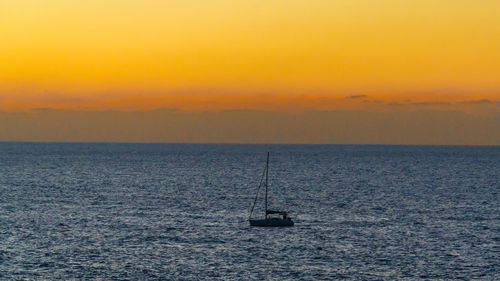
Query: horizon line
[(245, 144)]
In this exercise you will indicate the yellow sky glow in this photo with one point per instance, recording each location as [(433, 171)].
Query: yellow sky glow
[(246, 54)]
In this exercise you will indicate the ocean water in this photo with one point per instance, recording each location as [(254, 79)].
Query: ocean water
[(180, 212)]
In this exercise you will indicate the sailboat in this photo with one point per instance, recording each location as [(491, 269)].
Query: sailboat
[(269, 220)]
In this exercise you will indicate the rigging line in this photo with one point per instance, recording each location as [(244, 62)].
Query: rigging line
[(257, 195), (285, 202), (286, 192)]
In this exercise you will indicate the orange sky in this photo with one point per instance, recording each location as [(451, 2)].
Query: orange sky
[(273, 55)]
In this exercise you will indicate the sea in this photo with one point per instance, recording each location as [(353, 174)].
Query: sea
[(94, 211)]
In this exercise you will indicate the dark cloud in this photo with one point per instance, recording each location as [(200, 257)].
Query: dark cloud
[(429, 103), (482, 101), (42, 109), (418, 103), (357, 96), (372, 101)]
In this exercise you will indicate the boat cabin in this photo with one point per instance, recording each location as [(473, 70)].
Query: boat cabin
[(281, 213)]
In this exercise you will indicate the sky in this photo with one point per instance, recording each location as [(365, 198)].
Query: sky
[(383, 56)]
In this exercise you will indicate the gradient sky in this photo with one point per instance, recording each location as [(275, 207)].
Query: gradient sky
[(196, 55), (59, 51)]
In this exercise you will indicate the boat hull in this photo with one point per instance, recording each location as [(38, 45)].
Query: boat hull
[(272, 222)]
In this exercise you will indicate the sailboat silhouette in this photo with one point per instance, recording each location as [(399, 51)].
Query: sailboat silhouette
[(269, 220)]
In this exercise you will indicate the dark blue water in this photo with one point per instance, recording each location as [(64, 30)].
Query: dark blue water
[(166, 212)]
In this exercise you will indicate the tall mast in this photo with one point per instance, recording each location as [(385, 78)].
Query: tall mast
[(267, 172)]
